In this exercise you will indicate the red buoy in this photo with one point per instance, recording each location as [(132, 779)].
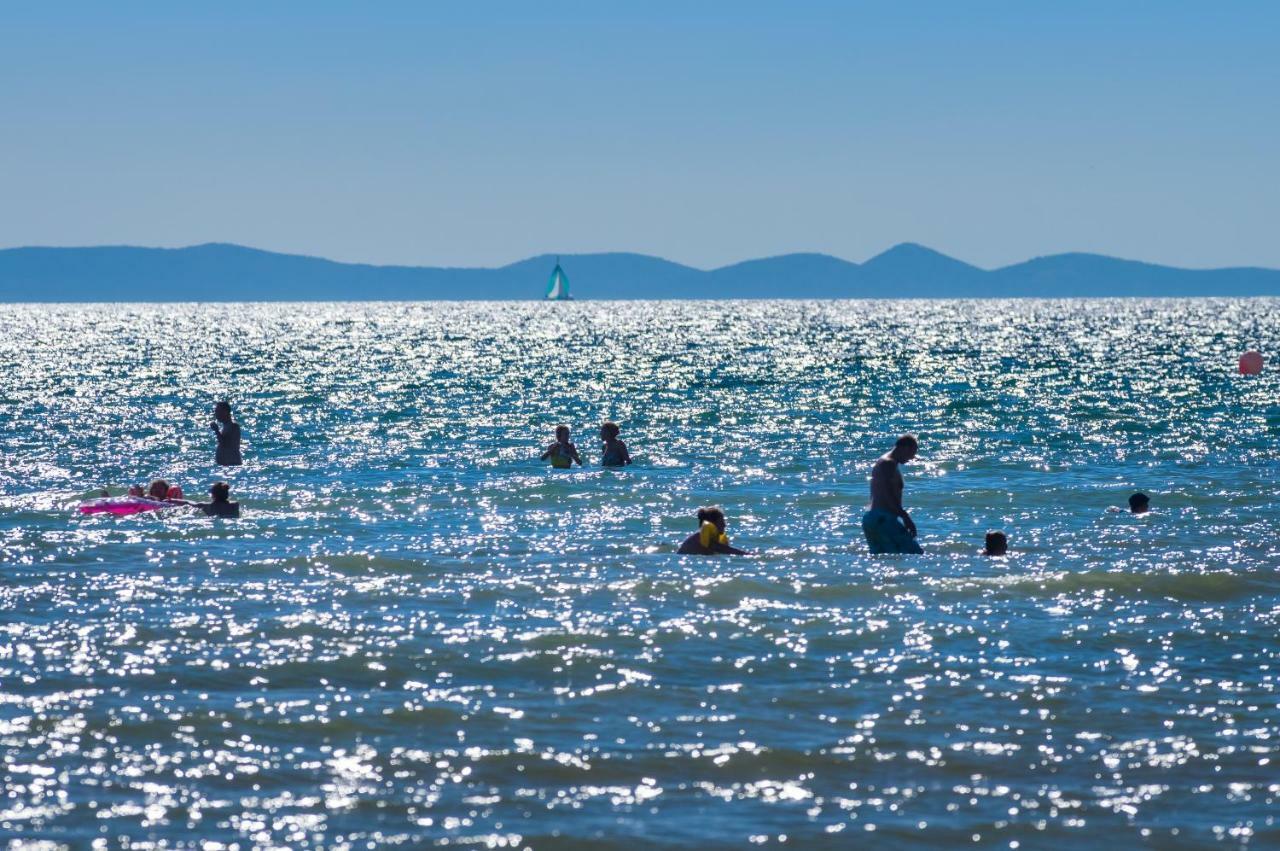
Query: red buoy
[(1251, 363)]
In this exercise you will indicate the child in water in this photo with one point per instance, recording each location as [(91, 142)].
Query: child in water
[(710, 538), (562, 453), (615, 451), (221, 506)]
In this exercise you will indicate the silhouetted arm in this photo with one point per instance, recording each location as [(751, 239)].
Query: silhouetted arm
[(895, 496)]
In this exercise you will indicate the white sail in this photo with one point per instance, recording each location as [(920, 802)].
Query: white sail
[(558, 286)]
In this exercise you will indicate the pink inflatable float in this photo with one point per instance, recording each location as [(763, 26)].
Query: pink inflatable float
[(122, 505)]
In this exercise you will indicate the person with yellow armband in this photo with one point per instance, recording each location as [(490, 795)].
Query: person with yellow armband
[(562, 453), (710, 539)]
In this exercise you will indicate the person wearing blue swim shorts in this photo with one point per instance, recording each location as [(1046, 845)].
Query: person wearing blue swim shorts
[(887, 525)]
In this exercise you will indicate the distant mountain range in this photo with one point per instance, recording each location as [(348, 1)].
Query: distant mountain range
[(219, 272)]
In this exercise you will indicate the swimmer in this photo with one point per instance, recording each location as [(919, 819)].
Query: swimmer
[(997, 544), (158, 490), (136, 490), (615, 451), (562, 453), (1139, 503), (228, 432), (710, 538), (885, 534), (221, 506)]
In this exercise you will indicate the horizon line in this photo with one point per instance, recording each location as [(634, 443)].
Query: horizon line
[(896, 246)]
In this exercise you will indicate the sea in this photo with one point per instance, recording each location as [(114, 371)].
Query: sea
[(419, 635)]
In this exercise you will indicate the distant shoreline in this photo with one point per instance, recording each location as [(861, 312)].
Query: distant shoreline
[(232, 273), (590, 301)]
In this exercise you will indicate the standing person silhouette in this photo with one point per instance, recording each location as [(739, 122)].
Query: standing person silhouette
[(228, 432), (885, 534)]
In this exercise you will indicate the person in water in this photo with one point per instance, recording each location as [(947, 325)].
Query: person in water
[(885, 534), (997, 544), (158, 490), (228, 432), (1139, 503), (221, 504), (615, 451), (562, 453), (136, 490), (710, 539)]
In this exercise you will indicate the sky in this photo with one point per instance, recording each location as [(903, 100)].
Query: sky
[(479, 133)]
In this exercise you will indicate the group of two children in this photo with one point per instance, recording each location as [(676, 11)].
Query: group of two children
[(562, 454)]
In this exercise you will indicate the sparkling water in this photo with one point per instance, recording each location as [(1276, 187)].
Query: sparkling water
[(419, 634)]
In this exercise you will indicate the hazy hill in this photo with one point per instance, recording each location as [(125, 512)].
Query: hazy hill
[(789, 276), (921, 270), (217, 272)]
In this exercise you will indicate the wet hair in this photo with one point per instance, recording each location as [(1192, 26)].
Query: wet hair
[(220, 491), (136, 490), (711, 514), (222, 405), (1139, 501), (561, 429), (997, 544), (158, 489), (610, 429), (907, 441)]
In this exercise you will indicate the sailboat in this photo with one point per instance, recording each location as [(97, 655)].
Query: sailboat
[(558, 285)]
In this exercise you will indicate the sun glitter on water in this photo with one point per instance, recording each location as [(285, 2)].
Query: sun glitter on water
[(417, 633)]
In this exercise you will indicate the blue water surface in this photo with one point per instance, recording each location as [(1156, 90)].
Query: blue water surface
[(419, 635)]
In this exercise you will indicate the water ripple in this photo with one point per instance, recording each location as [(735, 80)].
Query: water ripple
[(419, 635)]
